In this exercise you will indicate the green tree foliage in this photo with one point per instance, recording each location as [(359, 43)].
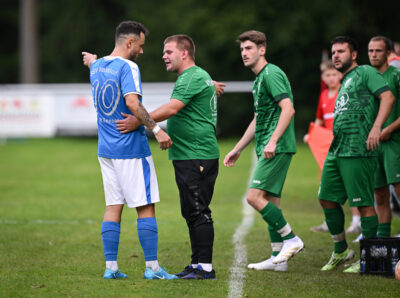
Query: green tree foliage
[(297, 32)]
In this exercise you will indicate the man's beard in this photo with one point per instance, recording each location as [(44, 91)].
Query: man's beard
[(345, 66), (378, 64), (133, 57)]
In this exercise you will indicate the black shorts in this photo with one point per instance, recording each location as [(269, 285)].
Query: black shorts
[(196, 179)]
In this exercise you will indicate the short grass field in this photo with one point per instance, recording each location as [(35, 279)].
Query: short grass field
[(52, 204)]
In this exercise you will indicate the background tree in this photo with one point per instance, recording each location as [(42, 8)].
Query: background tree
[(297, 32)]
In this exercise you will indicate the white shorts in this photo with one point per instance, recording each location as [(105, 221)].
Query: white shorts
[(129, 181)]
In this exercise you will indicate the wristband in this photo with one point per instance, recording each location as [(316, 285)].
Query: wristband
[(156, 129)]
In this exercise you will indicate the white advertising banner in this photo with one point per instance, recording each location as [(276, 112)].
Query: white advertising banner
[(46, 110), (24, 115), (75, 114)]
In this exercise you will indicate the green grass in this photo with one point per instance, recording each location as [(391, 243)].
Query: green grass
[(52, 204)]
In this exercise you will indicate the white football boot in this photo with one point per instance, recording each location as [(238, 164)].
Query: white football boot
[(269, 265), (289, 249)]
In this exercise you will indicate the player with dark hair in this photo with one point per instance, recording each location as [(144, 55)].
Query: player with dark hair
[(192, 118), (363, 104), (273, 130), (324, 117), (388, 170), (126, 163)]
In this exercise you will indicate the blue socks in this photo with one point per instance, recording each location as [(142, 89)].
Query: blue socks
[(110, 231), (148, 237)]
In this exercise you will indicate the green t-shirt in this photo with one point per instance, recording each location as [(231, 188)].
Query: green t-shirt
[(270, 86), (392, 76), (192, 129), (356, 108)]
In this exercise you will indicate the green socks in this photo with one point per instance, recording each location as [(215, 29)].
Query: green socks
[(274, 217), (369, 226), (276, 240), (335, 220), (384, 229)]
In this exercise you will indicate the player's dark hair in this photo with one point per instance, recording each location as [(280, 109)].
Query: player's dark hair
[(387, 41), (130, 27), (353, 45), (183, 42), (255, 36)]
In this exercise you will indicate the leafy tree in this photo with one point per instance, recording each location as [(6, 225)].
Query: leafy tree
[(297, 32)]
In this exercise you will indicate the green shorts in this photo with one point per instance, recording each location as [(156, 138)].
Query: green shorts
[(348, 178), (388, 169), (270, 174)]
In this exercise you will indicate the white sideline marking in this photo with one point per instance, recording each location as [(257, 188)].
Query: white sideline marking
[(238, 268), (47, 222)]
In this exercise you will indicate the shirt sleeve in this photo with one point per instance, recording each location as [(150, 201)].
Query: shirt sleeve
[(376, 83), (188, 87), (130, 79), (277, 86)]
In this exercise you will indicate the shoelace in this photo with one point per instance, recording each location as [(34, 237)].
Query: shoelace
[(115, 274)]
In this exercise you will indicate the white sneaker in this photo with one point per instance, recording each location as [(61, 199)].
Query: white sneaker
[(289, 249), (354, 228), (269, 265), (359, 237), (321, 228)]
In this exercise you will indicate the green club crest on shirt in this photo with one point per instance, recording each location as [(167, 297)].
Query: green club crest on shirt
[(340, 104), (213, 103)]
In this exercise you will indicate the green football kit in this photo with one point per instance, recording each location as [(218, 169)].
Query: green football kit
[(388, 169), (270, 86), (192, 129), (194, 154), (349, 166)]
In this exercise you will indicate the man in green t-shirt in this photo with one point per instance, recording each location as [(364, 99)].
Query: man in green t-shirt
[(192, 119), (273, 130), (388, 170), (348, 171)]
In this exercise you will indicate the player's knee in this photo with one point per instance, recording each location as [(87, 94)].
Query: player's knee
[(382, 195), (328, 204), (251, 198), (366, 211)]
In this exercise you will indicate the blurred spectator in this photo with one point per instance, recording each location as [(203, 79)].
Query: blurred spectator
[(394, 56)]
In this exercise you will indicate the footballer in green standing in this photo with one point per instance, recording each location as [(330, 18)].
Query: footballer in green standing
[(192, 119), (273, 130), (388, 170), (363, 104)]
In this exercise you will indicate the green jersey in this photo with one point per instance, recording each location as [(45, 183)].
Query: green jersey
[(392, 76), (270, 86), (356, 108), (192, 129)]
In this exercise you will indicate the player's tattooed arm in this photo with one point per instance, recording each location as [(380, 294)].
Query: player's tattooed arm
[(140, 112), (143, 117)]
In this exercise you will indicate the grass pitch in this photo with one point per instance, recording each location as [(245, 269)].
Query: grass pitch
[(52, 205)]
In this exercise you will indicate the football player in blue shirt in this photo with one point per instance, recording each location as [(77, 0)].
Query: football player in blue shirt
[(125, 159)]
